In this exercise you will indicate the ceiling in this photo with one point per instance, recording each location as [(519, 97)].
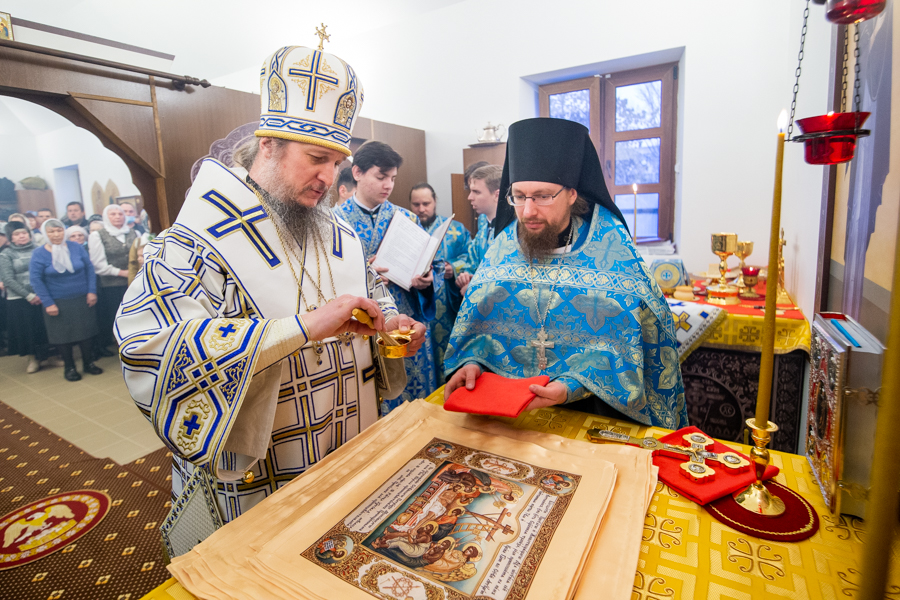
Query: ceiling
[(214, 39)]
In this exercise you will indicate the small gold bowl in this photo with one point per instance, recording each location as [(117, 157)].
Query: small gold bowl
[(395, 351)]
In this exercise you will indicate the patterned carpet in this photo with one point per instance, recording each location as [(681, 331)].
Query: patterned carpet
[(61, 553)]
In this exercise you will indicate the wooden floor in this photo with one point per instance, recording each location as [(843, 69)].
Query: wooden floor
[(96, 414)]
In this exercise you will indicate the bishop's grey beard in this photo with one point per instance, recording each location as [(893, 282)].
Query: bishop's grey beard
[(299, 220)]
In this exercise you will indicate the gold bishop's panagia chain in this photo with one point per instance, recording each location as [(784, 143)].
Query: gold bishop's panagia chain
[(290, 253)]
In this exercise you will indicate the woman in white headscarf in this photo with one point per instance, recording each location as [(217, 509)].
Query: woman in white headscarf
[(109, 252), (63, 277), (77, 234)]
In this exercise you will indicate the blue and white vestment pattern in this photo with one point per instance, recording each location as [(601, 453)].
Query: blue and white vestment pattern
[(476, 248), (610, 326), (421, 370), (216, 358), (446, 296)]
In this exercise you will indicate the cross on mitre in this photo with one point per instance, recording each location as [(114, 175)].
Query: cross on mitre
[(323, 37), (695, 468)]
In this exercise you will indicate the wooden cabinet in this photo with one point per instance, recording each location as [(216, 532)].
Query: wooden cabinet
[(408, 142), (35, 200)]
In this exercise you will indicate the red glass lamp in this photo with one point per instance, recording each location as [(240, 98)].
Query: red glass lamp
[(844, 12), (831, 139)]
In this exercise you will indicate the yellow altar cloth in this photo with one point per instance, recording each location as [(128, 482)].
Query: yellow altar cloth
[(687, 554), (744, 332)]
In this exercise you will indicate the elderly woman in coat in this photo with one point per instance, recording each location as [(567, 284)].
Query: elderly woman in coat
[(63, 277)]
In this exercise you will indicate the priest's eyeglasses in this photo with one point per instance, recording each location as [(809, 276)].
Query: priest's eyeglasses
[(542, 200)]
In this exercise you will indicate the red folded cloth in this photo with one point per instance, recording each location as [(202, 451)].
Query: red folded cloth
[(725, 482), (494, 395)]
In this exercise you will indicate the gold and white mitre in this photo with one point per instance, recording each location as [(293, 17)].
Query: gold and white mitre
[(309, 96)]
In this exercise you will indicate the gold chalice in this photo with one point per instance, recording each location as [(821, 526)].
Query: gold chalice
[(722, 293), (744, 249)]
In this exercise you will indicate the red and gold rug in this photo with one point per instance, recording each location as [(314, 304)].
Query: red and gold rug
[(73, 526)]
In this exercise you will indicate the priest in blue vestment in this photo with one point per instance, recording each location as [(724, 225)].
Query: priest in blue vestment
[(369, 212), (563, 292), (423, 202)]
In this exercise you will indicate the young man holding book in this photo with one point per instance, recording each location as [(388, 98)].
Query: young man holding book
[(369, 212)]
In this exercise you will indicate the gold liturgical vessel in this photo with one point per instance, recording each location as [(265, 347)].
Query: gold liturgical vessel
[(723, 293), (744, 250), (390, 345), (757, 498)]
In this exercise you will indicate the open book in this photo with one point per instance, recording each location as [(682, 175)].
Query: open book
[(407, 250)]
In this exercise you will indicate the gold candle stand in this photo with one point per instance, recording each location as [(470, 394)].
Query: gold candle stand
[(757, 498)]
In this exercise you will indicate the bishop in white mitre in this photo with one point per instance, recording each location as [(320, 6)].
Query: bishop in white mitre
[(236, 337)]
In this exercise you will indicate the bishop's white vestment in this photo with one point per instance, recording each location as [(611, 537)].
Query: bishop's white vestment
[(215, 357)]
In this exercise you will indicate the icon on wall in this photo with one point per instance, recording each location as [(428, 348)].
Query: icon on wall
[(6, 29)]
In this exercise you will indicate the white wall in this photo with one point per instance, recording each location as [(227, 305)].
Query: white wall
[(76, 146), (451, 70), (35, 141)]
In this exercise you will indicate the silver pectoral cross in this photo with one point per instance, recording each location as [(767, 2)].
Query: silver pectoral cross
[(542, 344)]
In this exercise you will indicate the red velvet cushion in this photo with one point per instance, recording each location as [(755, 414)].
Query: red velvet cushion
[(495, 395), (702, 493)]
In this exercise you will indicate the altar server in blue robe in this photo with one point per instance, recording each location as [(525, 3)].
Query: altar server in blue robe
[(563, 292), (423, 202), (369, 212), (484, 193)]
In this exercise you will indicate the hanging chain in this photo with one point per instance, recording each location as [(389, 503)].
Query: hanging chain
[(844, 75), (797, 72), (856, 68)]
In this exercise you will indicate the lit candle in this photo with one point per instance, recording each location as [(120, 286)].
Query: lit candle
[(634, 230), (767, 363)]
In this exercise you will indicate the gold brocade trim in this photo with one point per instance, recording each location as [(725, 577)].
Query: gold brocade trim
[(296, 137), (702, 337), (744, 332)]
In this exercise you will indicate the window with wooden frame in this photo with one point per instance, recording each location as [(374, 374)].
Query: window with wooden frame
[(631, 118)]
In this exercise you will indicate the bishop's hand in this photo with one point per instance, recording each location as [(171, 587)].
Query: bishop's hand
[(406, 324), (465, 376), (547, 395), (336, 317)]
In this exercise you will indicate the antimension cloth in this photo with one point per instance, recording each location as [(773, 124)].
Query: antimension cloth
[(211, 296), (521, 515), (611, 327)]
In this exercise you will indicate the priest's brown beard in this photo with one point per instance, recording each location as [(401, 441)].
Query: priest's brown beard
[(537, 245)]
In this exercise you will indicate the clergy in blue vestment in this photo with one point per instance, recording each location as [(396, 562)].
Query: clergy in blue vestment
[(369, 212), (563, 292), (423, 202), (484, 192)]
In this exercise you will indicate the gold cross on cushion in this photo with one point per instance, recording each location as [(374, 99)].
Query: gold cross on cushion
[(695, 468)]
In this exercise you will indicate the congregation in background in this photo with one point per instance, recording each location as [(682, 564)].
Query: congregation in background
[(61, 282)]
